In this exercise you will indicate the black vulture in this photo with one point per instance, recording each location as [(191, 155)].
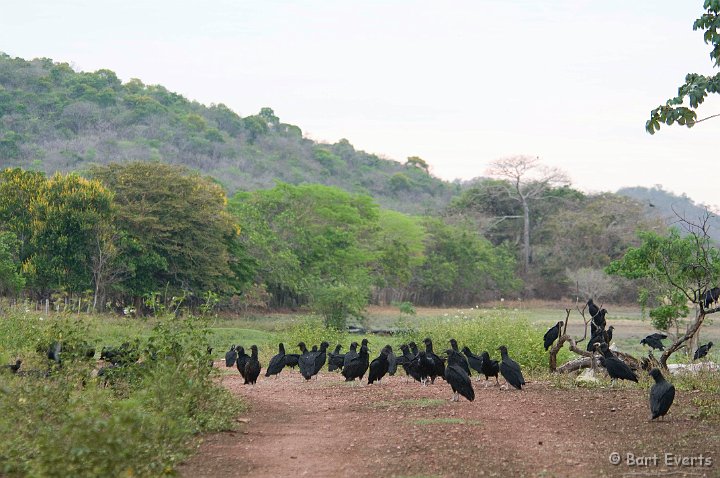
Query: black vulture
[(392, 361), (252, 367), (598, 322), (592, 308), (653, 342), (413, 348), (379, 366), (702, 351), (438, 363), (552, 334), (230, 356), (357, 367), (609, 334), (474, 361), (320, 357), (410, 363), (459, 382), (350, 354), (241, 360), (291, 360), (510, 370), (711, 296), (426, 366), (490, 368), (306, 361), (457, 358), (335, 359), (597, 338), (314, 349), (277, 363), (658, 336), (662, 394), (615, 367), (12, 368)]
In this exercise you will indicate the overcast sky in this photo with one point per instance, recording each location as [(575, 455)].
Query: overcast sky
[(458, 83)]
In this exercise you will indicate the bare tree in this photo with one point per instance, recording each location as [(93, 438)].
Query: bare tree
[(528, 180)]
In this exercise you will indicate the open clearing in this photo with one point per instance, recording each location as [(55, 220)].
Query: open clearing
[(326, 427)]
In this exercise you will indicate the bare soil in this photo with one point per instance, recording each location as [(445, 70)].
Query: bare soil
[(326, 427)]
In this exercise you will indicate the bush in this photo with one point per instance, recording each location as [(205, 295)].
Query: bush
[(70, 424), (486, 331)]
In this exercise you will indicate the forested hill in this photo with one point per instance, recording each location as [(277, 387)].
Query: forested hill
[(666, 205), (53, 118)]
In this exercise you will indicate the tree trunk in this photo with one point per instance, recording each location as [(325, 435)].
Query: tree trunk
[(526, 234)]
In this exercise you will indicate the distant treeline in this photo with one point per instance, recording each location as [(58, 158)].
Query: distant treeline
[(53, 118), (140, 234)]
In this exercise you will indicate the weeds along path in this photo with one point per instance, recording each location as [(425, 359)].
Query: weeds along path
[(328, 428)]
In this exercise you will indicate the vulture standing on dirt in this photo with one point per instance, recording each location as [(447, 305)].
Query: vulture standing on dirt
[(413, 348), (510, 370), (252, 366), (277, 363), (654, 341), (615, 367), (490, 367), (474, 361), (410, 363), (350, 354), (335, 359), (392, 361), (357, 367), (241, 360), (230, 356), (426, 366), (438, 363), (455, 357), (320, 357), (662, 395), (12, 368), (552, 334), (306, 361), (459, 382), (379, 366), (702, 351), (291, 360)]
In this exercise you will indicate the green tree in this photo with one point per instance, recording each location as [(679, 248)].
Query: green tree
[(696, 86), (176, 231), (66, 216), (11, 280), (676, 269), (18, 188)]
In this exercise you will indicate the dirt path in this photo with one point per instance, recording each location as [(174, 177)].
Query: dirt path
[(328, 428)]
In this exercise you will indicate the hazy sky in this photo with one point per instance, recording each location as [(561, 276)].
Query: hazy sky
[(458, 83)]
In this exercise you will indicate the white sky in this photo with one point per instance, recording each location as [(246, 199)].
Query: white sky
[(458, 83)]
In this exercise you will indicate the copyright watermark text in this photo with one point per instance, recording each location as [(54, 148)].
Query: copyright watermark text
[(669, 460)]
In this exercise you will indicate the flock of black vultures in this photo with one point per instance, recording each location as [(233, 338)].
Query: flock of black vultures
[(455, 367), (423, 366)]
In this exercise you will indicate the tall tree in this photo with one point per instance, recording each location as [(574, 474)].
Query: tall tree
[(528, 180), (176, 230), (696, 87)]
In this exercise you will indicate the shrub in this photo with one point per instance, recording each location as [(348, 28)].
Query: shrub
[(486, 331)]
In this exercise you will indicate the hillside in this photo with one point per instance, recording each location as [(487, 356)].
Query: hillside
[(53, 118), (666, 205)]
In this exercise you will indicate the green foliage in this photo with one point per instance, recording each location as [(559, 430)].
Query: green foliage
[(338, 301), (406, 308), (677, 269), (69, 424), (312, 331), (486, 331), (696, 87), (176, 230), (11, 280)]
